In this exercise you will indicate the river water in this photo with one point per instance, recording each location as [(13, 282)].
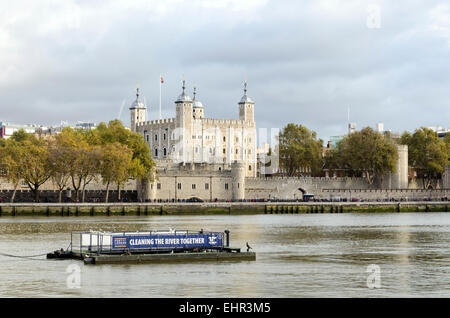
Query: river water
[(306, 255)]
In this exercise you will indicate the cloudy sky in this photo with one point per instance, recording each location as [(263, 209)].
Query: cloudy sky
[(306, 62)]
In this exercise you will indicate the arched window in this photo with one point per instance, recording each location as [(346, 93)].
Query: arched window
[(165, 152), (156, 152)]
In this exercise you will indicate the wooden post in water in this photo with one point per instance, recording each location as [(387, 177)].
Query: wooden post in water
[(92, 212)]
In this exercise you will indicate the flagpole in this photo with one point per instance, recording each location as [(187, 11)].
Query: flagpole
[(160, 116)]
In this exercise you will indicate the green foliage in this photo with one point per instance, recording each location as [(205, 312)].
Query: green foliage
[(367, 153), (78, 157), (427, 154), (299, 148)]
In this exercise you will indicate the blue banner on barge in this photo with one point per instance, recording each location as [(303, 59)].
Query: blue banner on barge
[(168, 241)]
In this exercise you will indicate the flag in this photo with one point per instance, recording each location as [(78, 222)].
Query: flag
[(161, 79)]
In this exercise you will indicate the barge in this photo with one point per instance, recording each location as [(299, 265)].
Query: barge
[(96, 247)]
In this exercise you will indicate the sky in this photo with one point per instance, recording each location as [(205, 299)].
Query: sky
[(312, 63)]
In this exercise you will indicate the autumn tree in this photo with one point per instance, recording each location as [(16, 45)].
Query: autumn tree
[(36, 170), (115, 165), (12, 158), (427, 154), (299, 148), (366, 152), (142, 165)]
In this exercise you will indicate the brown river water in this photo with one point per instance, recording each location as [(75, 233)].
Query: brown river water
[(305, 255)]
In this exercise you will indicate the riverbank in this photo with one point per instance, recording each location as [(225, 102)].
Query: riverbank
[(214, 208)]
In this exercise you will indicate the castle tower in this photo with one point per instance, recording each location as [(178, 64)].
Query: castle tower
[(198, 111), (246, 107), (446, 178), (184, 125), (399, 178), (238, 181), (137, 111)]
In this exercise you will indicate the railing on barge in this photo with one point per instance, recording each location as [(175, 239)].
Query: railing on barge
[(147, 242)]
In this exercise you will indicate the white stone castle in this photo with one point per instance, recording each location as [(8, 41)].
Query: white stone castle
[(196, 156)]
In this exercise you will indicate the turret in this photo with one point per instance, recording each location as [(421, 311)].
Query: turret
[(246, 107), (137, 111)]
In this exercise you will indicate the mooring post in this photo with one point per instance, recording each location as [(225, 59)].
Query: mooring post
[(107, 211), (13, 211), (92, 211), (123, 210)]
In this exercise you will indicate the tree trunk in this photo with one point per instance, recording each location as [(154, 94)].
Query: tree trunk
[(14, 192), (60, 195), (36, 194), (107, 192), (83, 196), (118, 192)]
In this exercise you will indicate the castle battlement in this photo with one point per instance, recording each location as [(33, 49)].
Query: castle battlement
[(156, 122)]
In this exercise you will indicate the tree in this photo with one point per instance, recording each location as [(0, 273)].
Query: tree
[(59, 167), (366, 152), (299, 148), (115, 165), (12, 159), (142, 164), (37, 169), (427, 154)]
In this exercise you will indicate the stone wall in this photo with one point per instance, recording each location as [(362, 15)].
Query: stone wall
[(446, 178), (53, 196), (385, 194), (289, 188)]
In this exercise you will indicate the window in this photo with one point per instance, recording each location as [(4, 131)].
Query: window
[(237, 139), (196, 149), (206, 186), (158, 186), (164, 136), (179, 186), (165, 152), (156, 152), (156, 137), (237, 151), (147, 138), (226, 186), (224, 151), (193, 187), (224, 139), (250, 168)]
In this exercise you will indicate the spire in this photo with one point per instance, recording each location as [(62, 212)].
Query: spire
[(183, 97), (195, 91), (245, 98), (137, 103)]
